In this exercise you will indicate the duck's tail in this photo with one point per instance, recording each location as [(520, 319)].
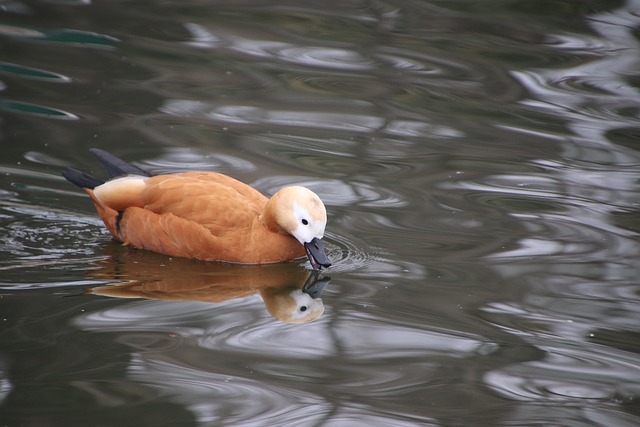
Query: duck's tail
[(115, 167), (81, 179)]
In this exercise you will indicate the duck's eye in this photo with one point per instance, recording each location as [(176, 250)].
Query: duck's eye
[(303, 308), (305, 222)]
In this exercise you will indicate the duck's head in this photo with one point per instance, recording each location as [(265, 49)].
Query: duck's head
[(299, 212)]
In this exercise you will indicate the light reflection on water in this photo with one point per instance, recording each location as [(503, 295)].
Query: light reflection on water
[(479, 165), (206, 367), (290, 292)]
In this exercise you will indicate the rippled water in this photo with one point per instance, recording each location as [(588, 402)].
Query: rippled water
[(480, 166)]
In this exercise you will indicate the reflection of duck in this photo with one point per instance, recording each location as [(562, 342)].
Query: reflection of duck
[(290, 292), (206, 215)]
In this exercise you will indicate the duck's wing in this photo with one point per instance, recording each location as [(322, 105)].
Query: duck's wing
[(176, 236), (194, 215), (217, 202), (214, 201)]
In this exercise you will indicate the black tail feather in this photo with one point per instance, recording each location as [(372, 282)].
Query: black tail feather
[(115, 166), (81, 179)]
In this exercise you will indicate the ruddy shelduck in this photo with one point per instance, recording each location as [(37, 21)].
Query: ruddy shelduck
[(205, 215)]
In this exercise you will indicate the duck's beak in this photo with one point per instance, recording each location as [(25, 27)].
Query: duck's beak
[(315, 252)]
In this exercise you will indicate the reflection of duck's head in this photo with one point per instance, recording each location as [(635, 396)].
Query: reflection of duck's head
[(289, 291), (292, 305)]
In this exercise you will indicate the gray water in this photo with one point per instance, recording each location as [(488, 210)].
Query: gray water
[(479, 161)]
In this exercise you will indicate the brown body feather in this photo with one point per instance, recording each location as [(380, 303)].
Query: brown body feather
[(202, 215)]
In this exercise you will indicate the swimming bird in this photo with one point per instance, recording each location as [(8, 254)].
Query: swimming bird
[(205, 215)]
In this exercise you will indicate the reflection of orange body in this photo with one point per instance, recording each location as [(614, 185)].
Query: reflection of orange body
[(206, 215), (153, 276)]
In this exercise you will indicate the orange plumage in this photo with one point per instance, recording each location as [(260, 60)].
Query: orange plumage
[(206, 215)]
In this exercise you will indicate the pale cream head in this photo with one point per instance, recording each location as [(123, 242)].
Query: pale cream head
[(299, 212)]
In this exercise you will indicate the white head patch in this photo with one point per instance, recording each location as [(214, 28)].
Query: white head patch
[(308, 227)]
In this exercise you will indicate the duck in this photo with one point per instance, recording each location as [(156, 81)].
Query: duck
[(207, 216)]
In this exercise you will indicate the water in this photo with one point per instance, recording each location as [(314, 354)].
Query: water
[(479, 163)]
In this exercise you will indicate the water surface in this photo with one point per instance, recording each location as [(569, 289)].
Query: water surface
[(480, 166)]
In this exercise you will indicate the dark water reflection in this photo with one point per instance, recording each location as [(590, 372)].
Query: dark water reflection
[(290, 293), (480, 166)]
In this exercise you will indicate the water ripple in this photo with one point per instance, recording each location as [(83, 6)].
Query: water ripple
[(154, 315), (473, 166), (321, 156), (42, 240), (324, 57), (350, 254), (227, 329), (568, 374), (208, 394), (335, 192), (562, 316), (184, 159), (327, 85), (248, 114), (206, 362), (572, 222)]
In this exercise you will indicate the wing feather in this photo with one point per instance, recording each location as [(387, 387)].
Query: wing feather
[(216, 202)]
